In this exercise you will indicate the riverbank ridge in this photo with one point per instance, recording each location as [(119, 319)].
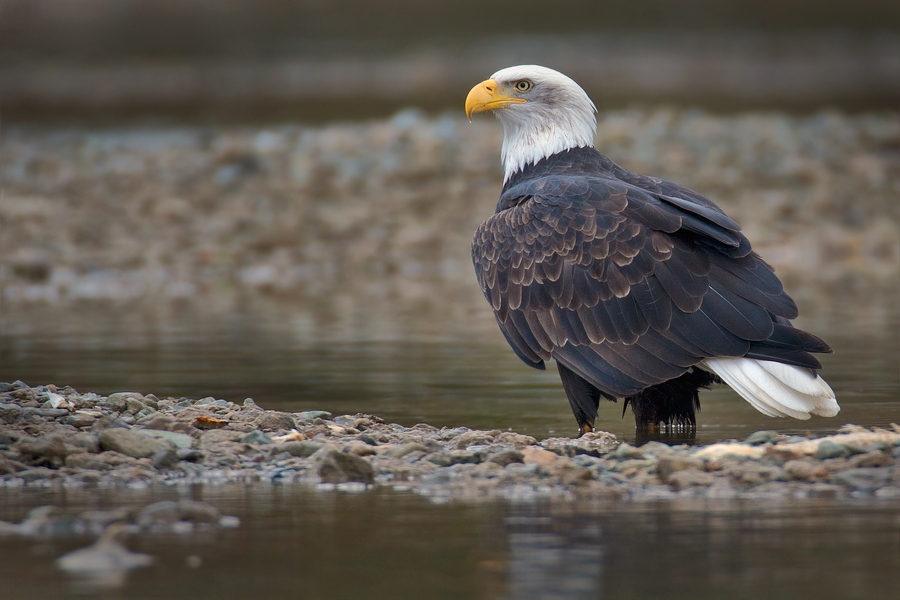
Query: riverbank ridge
[(52, 436)]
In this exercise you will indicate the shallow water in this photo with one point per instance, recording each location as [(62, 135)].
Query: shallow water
[(322, 544), (472, 379), (304, 544)]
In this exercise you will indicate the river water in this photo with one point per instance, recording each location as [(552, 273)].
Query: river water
[(471, 379), (302, 543)]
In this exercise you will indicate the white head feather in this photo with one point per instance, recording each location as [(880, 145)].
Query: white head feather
[(558, 115)]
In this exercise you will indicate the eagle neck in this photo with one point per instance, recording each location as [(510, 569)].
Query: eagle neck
[(528, 141)]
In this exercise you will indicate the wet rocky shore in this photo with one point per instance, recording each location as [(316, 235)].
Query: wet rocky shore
[(52, 436)]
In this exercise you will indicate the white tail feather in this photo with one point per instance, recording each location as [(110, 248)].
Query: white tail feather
[(776, 389)]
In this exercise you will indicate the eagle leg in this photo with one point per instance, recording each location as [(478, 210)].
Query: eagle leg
[(584, 398), (671, 403)]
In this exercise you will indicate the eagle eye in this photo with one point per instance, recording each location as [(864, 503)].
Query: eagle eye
[(523, 85)]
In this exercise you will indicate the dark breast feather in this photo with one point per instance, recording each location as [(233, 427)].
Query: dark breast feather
[(627, 280)]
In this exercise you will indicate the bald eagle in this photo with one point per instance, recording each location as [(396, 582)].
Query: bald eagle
[(637, 287)]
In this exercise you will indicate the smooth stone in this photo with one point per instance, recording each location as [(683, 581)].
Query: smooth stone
[(680, 480), (311, 415), (656, 448), (181, 440), (213, 437), (824, 491), (888, 493), (80, 420), (133, 406), (119, 400), (47, 446), (47, 412), (38, 473), (275, 421), (165, 459), (302, 449), (360, 449), (84, 441), (335, 466), (134, 443), (627, 451), (156, 421), (190, 455), (762, 437), (632, 463), (827, 449), (666, 465), (256, 437), (804, 470), (508, 456), (463, 457), (401, 450), (863, 479), (12, 408), (8, 466), (84, 460)]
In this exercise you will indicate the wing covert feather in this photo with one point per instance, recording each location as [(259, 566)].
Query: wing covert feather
[(626, 284)]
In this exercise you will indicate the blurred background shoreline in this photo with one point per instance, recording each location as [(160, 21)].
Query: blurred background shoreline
[(107, 62), (296, 180), (721, 72)]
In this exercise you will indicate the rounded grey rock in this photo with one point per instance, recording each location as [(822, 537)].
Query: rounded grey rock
[(136, 444)]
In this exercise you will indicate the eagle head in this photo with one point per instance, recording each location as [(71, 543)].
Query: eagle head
[(542, 111)]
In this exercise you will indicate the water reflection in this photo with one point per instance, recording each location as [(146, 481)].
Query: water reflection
[(104, 565), (388, 545), (552, 558)]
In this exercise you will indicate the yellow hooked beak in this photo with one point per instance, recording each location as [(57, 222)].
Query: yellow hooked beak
[(487, 96)]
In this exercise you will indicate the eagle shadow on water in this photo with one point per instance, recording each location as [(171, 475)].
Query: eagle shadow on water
[(637, 287)]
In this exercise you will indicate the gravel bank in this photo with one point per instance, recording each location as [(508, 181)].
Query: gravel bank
[(372, 222), (61, 437)]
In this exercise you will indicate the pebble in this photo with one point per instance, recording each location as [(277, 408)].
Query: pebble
[(301, 449), (256, 437), (190, 455), (180, 440), (506, 457), (354, 452), (829, 449), (401, 450), (312, 415), (335, 466), (165, 459), (626, 451), (762, 437), (275, 421), (862, 479), (666, 465), (134, 443)]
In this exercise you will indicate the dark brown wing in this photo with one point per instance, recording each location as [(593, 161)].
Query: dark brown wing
[(629, 287)]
